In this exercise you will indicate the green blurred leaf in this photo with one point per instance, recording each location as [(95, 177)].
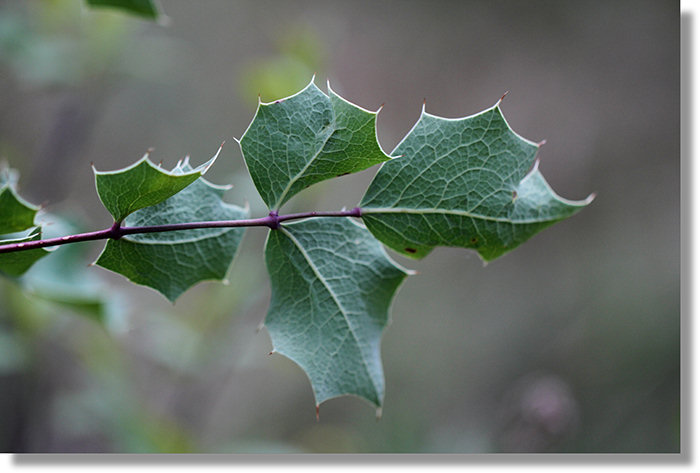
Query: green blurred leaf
[(171, 262), (332, 285), (142, 184), (144, 8), (66, 279), (16, 226), (309, 137), (13, 353), (16, 214), (462, 182), (17, 263)]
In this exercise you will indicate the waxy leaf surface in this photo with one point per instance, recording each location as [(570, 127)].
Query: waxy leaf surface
[(307, 138), (470, 182), (332, 285), (142, 184), (171, 262)]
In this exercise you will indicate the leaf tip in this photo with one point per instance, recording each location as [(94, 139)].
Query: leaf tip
[(502, 97), (378, 414), (541, 143), (318, 409)]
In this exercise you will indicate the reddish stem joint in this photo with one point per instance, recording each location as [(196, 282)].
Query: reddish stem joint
[(274, 220)]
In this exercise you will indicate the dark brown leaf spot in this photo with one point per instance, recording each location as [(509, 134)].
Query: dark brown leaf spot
[(410, 250)]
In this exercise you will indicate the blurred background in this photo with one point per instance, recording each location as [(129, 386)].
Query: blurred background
[(569, 344)]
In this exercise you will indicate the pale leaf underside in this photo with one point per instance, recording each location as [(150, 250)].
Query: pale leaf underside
[(171, 262), (332, 285), (309, 137), (466, 182)]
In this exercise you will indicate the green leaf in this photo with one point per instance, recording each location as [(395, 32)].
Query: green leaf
[(309, 137), (142, 184), (332, 285), (16, 226), (467, 182), (17, 263), (16, 214), (145, 8), (171, 262), (66, 279)]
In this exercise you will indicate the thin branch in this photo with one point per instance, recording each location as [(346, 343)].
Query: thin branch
[(116, 231)]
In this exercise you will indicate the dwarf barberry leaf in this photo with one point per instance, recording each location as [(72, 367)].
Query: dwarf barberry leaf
[(17, 226), (171, 262), (142, 184), (470, 182), (309, 137), (332, 285)]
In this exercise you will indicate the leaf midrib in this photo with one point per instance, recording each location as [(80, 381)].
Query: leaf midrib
[(337, 302), (460, 213), (300, 174)]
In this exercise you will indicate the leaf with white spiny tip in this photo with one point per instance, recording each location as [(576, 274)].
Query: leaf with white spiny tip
[(143, 184), (171, 262), (17, 226), (332, 286), (467, 182), (306, 138)]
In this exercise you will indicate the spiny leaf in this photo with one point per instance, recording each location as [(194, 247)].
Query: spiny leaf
[(16, 214), (332, 285), (15, 264), (463, 182), (307, 138), (171, 262), (142, 184), (16, 226), (145, 8)]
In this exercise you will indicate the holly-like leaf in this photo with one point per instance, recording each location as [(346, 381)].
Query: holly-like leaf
[(144, 8), (16, 226), (17, 263), (467, 182), (307, 138), (142, 184), (332, 285), (16, 214), (171, 262)]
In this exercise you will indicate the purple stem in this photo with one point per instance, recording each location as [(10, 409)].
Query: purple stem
[(116, 231)]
